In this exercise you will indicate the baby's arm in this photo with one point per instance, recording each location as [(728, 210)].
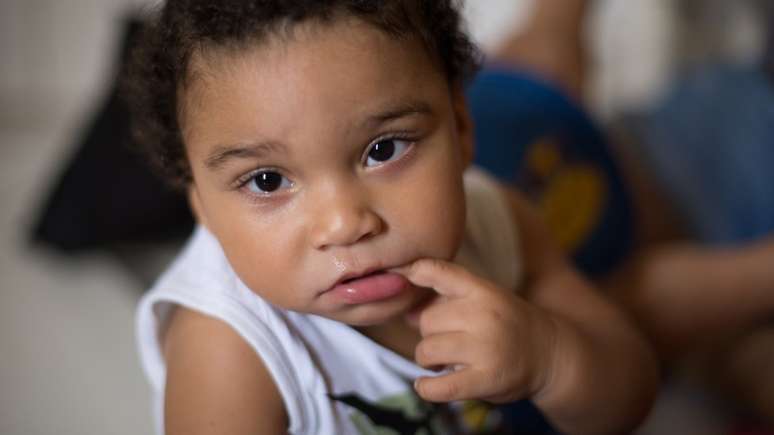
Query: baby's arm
[(215, 382), (604, 376), (558, 342)]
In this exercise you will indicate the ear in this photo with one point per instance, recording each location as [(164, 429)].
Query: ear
[(465, 128), (195, 202)]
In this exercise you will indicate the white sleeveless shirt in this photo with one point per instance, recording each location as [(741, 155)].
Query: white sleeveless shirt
[(333, 379)]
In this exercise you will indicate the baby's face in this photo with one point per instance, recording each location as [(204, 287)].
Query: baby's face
[(335, 154)]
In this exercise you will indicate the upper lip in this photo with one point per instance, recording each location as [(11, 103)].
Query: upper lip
[(377, 267), (349, 276), (352, 275)]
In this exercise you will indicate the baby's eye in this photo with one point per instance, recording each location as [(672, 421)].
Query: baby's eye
[(386, 150), (267, 182)]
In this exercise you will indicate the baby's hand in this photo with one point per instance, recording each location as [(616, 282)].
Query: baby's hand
[(497, 346)]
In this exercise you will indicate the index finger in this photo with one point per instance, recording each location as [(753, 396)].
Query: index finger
[(446, 278)]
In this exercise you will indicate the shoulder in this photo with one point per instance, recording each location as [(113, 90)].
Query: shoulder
[(539, 249), (491, 232), (507, 215), (215, 382)]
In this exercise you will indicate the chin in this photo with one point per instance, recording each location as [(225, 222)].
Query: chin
[(372, 318), (376, 313), (364, 323)]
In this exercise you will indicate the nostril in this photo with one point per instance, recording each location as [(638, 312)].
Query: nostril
[(345, 227), (365, 237)]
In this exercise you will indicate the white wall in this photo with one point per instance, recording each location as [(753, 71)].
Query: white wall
[(56, 54)]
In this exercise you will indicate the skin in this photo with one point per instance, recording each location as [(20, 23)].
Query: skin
[(550, 45), (559, 343)]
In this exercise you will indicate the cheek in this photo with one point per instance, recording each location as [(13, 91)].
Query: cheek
[(446, 222), (266, 265), (255, 243), (250, 251), (434, 212)]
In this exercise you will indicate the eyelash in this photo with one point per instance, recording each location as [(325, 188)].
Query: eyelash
[(242, 182), (400, 136)]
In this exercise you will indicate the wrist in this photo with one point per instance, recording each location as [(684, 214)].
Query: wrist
[(597, 384), (572, 394), (565, 357)]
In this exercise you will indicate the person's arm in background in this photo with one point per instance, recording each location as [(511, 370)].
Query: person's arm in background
[(687, 296), (551, 45)]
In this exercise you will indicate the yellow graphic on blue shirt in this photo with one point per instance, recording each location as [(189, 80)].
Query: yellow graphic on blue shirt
[(570, 194), (407, 414)]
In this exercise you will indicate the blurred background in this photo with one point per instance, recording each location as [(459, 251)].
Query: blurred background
[(68, 363), (67, 358)]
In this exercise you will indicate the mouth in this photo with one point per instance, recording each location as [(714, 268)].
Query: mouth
[(371, 285), (351, 277)]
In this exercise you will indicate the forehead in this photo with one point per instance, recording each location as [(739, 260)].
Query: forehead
[(322, 71)]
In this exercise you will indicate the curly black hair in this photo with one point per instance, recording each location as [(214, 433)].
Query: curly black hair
[(160, 62)]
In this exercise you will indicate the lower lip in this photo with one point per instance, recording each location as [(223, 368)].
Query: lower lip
[(372, 288)]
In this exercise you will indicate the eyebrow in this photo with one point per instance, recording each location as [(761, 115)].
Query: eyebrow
[(222, 154), (400, 111)]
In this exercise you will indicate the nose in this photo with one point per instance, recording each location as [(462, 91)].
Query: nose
[(343, 217)]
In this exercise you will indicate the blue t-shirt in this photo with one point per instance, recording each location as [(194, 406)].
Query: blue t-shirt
[(530, 134)]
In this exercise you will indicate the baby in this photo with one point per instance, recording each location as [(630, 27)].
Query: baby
[(350, 273)]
